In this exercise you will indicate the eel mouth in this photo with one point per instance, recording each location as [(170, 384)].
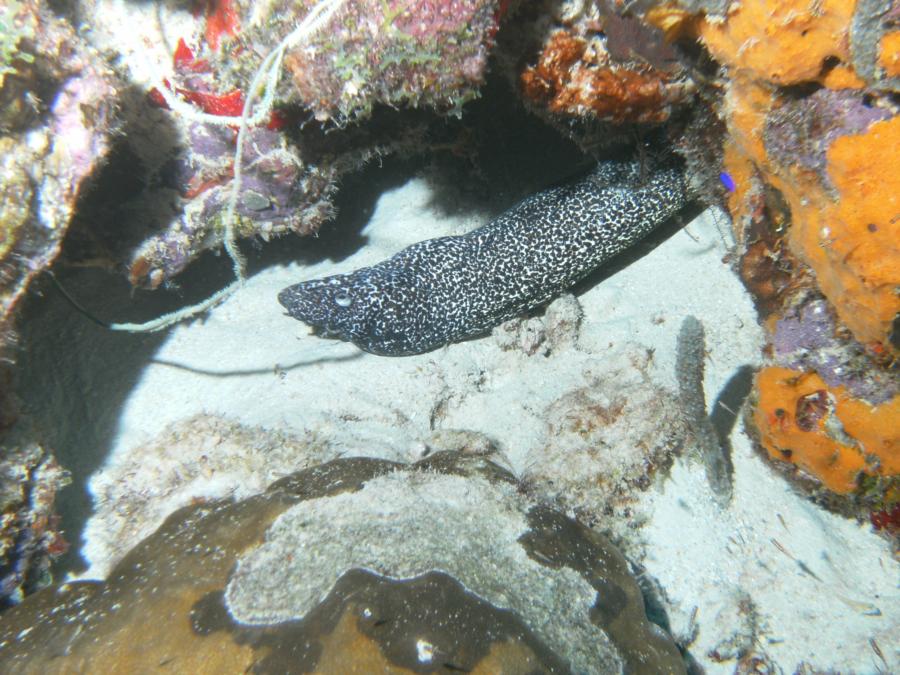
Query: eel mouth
[(307, 302), (311, 302)]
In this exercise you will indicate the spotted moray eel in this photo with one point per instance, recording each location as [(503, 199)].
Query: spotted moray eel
[(451, 288)]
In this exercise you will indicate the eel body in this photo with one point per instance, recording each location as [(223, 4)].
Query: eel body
[(451, 288)]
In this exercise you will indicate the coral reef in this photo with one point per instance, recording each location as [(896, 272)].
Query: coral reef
[(280, 193), (806, 96), (18, 22), (846, 228), (29, 528), (837, 207), (57, 119), (423, 54), (359, 56), (592, 68), (357, 564)]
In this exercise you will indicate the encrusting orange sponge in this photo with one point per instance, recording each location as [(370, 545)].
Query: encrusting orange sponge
[(858, 264), (825, 431), (889, 54), (845, 218), (781, 41), (852, 239)]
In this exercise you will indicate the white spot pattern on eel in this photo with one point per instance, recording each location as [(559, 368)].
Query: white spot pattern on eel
[(451, 288)]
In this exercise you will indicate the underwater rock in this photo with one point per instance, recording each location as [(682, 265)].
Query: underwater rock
[(57, 121), (57, 116), (875, 43), (607, 441), (355, 564), (280, 193), (832, 230), (29, 529), (198, 459)]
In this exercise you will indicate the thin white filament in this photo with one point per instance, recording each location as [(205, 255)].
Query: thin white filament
[(267, 76)]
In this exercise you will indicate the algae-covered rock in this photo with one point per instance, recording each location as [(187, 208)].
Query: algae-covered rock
[(56, 121), (358, 565), (429, 54), (607, 440), (29, 529)]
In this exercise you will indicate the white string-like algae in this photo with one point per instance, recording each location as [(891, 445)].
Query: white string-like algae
[(266, 76)]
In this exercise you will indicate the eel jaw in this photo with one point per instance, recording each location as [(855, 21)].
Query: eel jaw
[(318, 304)]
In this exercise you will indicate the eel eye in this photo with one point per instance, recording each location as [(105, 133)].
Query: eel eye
[(343, 300)]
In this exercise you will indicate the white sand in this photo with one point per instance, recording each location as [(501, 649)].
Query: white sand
[(265, 370)]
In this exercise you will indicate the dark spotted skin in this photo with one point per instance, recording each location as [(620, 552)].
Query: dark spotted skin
[(447, 289)]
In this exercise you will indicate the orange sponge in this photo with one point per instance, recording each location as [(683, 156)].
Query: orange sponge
[(845, 218), (852, 239), (824, 430), (889, 54), (781, 41)]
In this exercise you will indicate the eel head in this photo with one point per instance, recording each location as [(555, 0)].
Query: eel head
[(365, 307), (332, 306)]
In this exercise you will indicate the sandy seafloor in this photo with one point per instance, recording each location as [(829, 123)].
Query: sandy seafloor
[(811, 587)]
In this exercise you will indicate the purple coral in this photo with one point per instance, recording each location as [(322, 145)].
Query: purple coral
[(800, 132), (278, 194), (806, 339)]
